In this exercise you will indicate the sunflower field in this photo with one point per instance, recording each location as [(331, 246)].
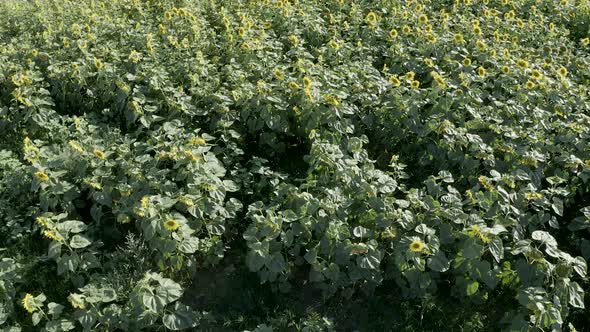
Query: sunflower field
[(294, 165)]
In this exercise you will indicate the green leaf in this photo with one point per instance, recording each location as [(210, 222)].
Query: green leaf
[(73, 226), (79, 241), (497, 249), (557, 206), (438, 262), (544, 237), (54, 309), (576, 295), (580, 266), (472, 288), (276, 263), (182, 318)]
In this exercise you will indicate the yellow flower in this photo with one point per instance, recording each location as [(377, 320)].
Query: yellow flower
[(371, 19), (410, 75), (145, 202), (52, 235), (332, 100), (481, 71), (415, 84), (333, 44), (171, 225), (393, 34), (430, 38), (429, 62), (467, 62), (529, 85), (394, 80), (279, 75), (416, 246), (76, 146), (523, 64), (505, 69), (481, 45), (98, 64), (562, 72), (197, 141), (585, 41), (294, 40), (42, 176), (28, 303), (423, 19), (293, 85), (458, 38), (77, 301), (99, 154), (307, 82), (476, 30), (536, 74), (406, 29)]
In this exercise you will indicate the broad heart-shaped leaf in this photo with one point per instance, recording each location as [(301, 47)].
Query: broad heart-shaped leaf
[(276, 263), (59, 325), (79, 241), (154, 301), (189, 245), (182, 318), (36, 318), (580, 266), (544, 237), (72, 226), (370, 261), (438, 262), (576, 295), (255, 261), (497, 249), (557, 206), (54, 309), (169, 290)]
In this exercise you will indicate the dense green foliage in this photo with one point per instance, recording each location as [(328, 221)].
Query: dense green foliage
[(294, 165)]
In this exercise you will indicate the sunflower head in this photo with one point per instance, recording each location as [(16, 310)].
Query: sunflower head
[(505, 70), (523, 64), (562, 72), (529, 85), (171, 224), (77, 301), (100, 154), (536, 74), (371, 19), (410, 75), (406, 29), (394, 80), (393, 33), (28, 303), (307, 82), (481, 71), (415, 84), (458, 38), (42, 176), (423, 18), (467, 62), (416, 246)]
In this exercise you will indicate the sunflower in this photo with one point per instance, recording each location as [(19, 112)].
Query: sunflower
[(99, 154), (76, 146), (536, 74), (529, 85), (394, 80), (459, 38), (371, 19), (293, 86), (562, 72), (476, 30), (416, 246), (171, 225), (77, 301), (585, 41), (410, 75), (467, 62), (332, 100), (393, 34), (28, 303), (523, 64), (423, 19), (406, 29), (415, 84), (505, 70), (481, 71), (480, 45), (42, 176), (278, 74), (333, 44), (307, 82)]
